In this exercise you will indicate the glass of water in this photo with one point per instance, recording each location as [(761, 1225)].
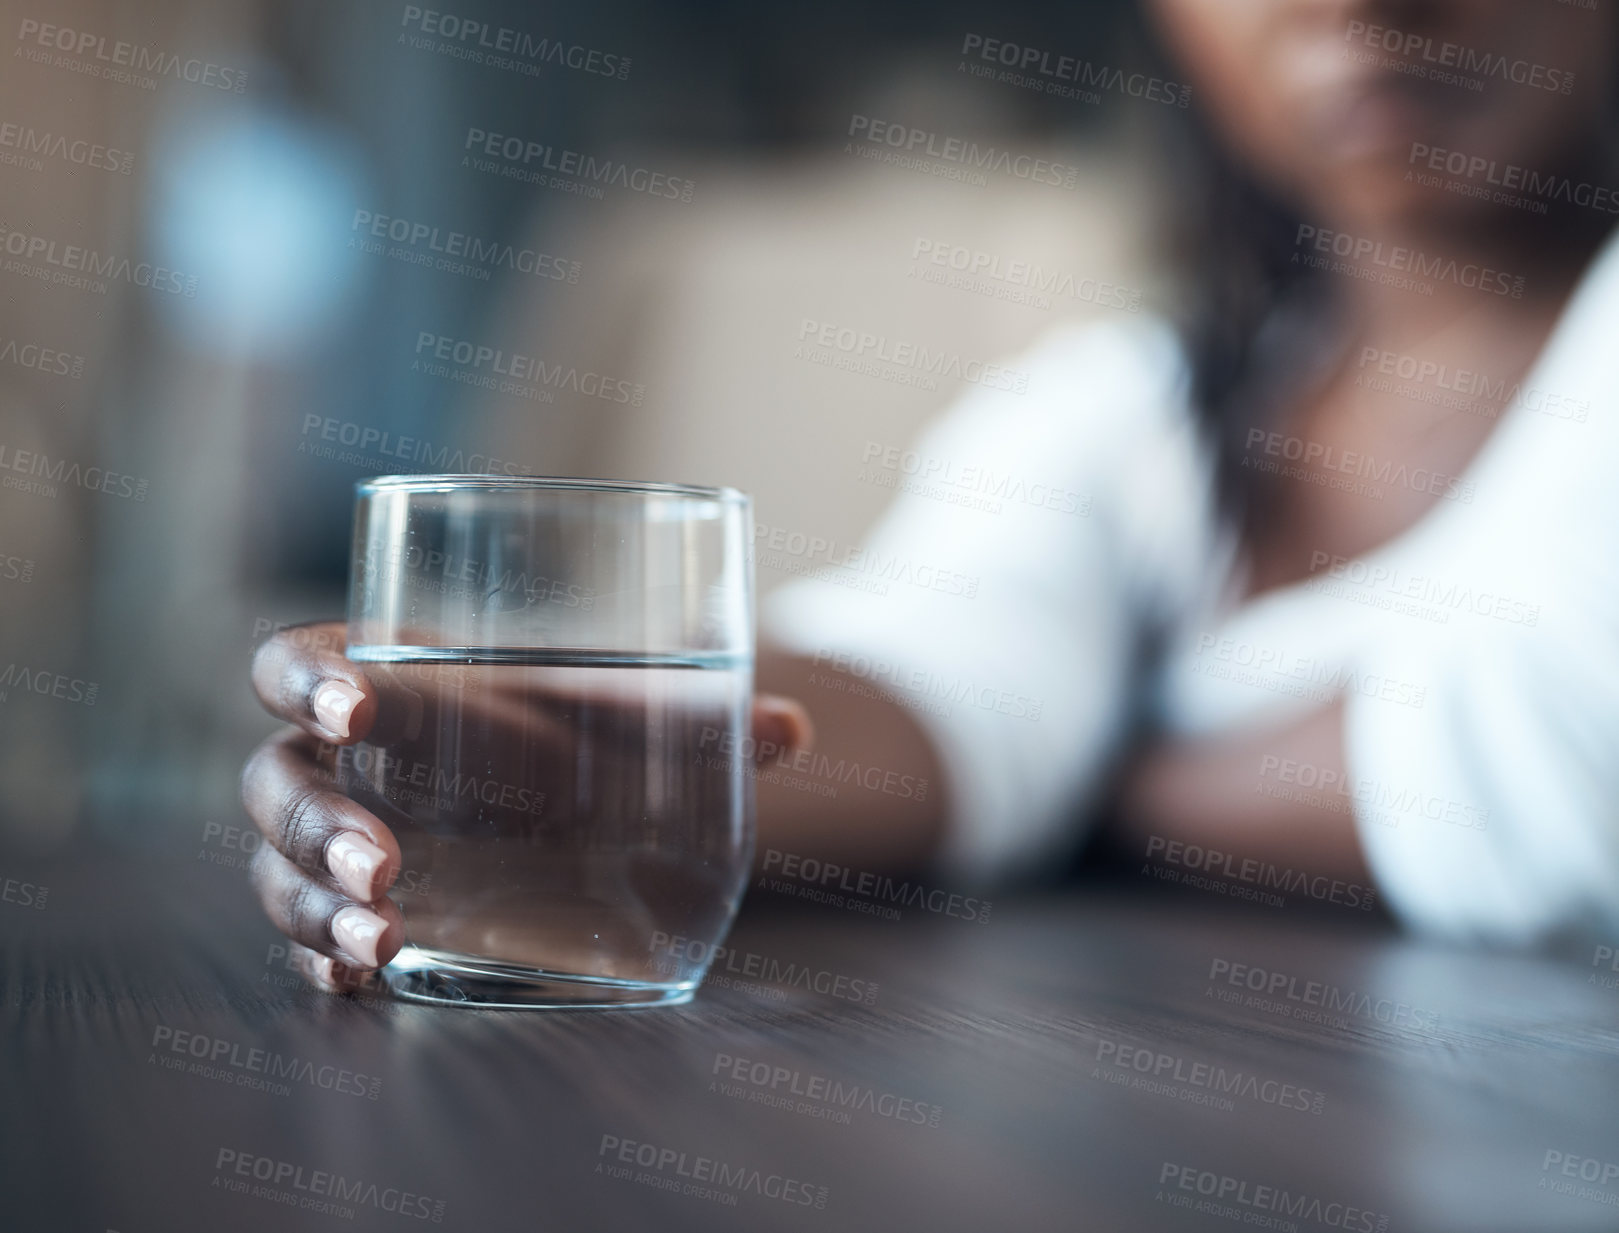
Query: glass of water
[(565, 671)]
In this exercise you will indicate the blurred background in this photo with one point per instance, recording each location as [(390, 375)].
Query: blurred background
[(215, 314), (255, 251)]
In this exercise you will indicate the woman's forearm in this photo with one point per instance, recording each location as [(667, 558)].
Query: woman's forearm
[(857, 797), (867, 794), (1280, 795)]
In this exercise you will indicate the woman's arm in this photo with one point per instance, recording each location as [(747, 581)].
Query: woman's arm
[(1222, 793), (887, 813)]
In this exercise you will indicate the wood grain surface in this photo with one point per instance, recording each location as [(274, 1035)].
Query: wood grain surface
[(1066, 1064)]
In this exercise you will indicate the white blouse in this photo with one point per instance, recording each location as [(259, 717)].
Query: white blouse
[(1477, 653)]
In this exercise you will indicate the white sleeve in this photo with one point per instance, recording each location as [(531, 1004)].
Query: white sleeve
[(1061, 516), (1492, 811)]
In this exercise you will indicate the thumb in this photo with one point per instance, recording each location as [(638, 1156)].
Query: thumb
[(780, 725)]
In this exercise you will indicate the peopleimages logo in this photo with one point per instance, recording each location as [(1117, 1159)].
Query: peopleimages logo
[(1396, 266), (73, 265), (1498, 394), (214, 1057), (23, 145), (1601, 1173), (670, 949), (436, 459), (47, 474), (1020, 282), (799, 552), (128, 63), (419, 243), (1340, 792), (1218, 1189), (1033, 68), (1398, 590), (864, 350), (1249, 870), (1278, 989), (743, 752), (459, 577), (1433, 58), (534, 162), (403, 779), (233, 847), (976, 479), (1606, 954), (503, 47), (493, 368), (924, 683), (1513, 180), (1160, 1074), (1279, 670), (15, 568), (825, 875), (917, 142), (704, 1175), (815, 1095), (24, 894), (317, 1189), (46, 684), (1318, 461), (41, 359)]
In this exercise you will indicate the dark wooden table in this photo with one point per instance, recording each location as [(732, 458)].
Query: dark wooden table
[(995, 1082)]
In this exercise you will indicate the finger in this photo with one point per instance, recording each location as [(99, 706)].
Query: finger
[(300, 676), (331, 975), (780, 725), (293, 802), (316, 915)]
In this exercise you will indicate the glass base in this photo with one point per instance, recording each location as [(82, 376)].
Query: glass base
[(447, 979)]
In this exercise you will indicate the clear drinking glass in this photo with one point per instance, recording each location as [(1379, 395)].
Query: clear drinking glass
[(565, 670)]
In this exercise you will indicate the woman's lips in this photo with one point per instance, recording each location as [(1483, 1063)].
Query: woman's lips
[(1370, 122)]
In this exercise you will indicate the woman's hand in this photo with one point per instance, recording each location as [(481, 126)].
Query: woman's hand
[(324, 874)]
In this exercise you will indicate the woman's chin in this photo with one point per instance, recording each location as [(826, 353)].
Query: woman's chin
[(1388, 203)]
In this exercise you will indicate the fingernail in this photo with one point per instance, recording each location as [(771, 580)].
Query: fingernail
[(354, 860), (334, 703), (320, 970), (359, 931)]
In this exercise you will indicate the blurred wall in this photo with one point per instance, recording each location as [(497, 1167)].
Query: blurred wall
[(256, 342)]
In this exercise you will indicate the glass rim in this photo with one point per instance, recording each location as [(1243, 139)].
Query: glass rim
[(544, 483)]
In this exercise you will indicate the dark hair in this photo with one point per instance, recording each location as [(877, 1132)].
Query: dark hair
[(1257, 323)]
